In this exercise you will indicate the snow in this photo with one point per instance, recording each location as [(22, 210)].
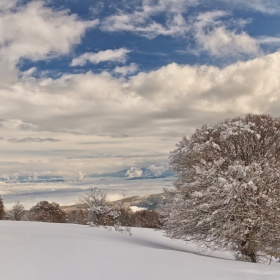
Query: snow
[(34, 250)]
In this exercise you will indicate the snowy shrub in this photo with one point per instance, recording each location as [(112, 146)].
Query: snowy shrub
[(44, 211), (227, 195), (16, 213)]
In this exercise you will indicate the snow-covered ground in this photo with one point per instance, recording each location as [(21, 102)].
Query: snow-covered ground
[(39, 251)]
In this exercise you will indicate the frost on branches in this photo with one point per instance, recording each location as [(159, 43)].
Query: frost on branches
[(103, 214), (227, 195)]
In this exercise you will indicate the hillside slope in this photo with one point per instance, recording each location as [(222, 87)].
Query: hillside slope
[(32, 250)]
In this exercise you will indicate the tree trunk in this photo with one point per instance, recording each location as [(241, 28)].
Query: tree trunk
[(247, 251)]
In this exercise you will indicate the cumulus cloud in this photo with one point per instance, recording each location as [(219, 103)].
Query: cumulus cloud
[(34, 31), (212, 35), (32, 139), (117, 55), (134, 172), (126, 70), (162, 102), (7, 4), (157, 170)]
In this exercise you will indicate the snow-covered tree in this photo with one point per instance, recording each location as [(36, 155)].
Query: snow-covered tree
[(96, 202), (104, 213), (227, 195), (17, 212)]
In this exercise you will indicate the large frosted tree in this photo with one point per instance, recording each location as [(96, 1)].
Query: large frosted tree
[(227, 195)]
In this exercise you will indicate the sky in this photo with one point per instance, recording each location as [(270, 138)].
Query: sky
[(91, 88)]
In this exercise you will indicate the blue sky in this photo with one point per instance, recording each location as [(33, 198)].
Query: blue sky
[(94, 87), (149, 47)]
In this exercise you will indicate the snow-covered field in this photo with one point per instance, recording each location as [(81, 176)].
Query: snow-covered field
[(39, 251)]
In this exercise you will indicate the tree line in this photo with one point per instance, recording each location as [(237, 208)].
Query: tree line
[(93, 214)]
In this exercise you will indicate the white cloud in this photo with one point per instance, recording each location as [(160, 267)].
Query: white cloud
[(134, 172), (263, 6), (7, 4), (97, 8), (36, 32), (157, 170), (15, 124), (212, 35), (142, 23), (162, 102), (81, 176), (269, 40), (117, 55), (126, 70)]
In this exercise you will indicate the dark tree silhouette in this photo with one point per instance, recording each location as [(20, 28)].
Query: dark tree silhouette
[(2, 209)]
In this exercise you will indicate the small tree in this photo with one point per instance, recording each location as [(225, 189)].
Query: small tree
[(2, 209), (227, 195), (47, 212), (104, 214), (96, 201), (17, 212)]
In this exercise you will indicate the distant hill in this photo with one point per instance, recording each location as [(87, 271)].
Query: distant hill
[(149, 202)]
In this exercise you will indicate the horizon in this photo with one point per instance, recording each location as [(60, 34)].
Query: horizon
[(89, 90)]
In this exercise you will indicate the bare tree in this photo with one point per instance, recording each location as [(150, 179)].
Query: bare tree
[(17, 212), (2, 209), (96, 201), (227, 195), (104, 213)]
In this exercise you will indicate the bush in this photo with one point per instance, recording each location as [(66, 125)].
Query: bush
[(17, 212), (102, 212), (227, 195), (126, 218), (47, 212), (146, 219)]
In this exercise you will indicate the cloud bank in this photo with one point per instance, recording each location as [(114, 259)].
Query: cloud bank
[(172, 99), (125, 115)]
